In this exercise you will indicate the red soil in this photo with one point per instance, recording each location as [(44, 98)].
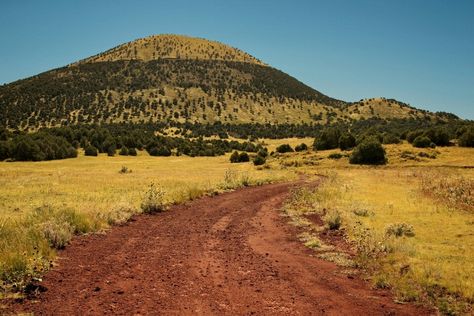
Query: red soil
[(228, 254)]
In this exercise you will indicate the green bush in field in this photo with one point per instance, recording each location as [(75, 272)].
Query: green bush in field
[(438, 135), (234, 158), (327, 139), (263, 152), (301, 147), (391, 139), (285, 148), (259, 160), (124, 151), (335, 156), (368, 152), (244, 157), (422, 142), (5, 150), (153, 151), (412, 135), (132, 151), (90, 151), (467, 138), (347, 141), (111, 151)]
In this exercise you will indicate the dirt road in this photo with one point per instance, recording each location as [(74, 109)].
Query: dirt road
[(229, 254)]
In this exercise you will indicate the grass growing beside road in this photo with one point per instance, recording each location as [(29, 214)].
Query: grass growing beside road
[(43, 204), (408, 240)]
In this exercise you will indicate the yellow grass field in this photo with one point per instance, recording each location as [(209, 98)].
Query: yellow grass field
[(434, 265), (94, 184), (45, 203), (435, 196)]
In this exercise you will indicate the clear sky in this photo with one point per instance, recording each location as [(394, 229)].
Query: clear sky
[(417, 51)]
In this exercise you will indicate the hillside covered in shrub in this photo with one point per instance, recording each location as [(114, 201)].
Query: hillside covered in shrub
[(169, 78)]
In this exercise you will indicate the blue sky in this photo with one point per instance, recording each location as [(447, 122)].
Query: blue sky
[(417, 51)]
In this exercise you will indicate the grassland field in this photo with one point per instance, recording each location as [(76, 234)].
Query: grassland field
[(431, 192)]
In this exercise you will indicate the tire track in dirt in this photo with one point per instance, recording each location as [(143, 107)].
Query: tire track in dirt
[(228, 254)]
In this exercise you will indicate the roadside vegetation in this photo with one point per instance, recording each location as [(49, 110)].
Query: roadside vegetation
[(44, 204), (408, 223), (405, 209)]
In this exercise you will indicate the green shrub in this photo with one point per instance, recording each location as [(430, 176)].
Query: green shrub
[(327, 139), (369, 152), (234, 158), (263, 152), (439, 136), (159, 151), (412, 135), (258, 160), (153, 151), (5, 150), (132, 151), (111, 151), (285, 148), (28, 150), (244, 157), (467, 138), (153, 202), (301, 147), (90, 151), (372, 132), (164, 151), (347, 141), (399, 230), (335, 156), (123, 151), (391, 139), (422, 142)]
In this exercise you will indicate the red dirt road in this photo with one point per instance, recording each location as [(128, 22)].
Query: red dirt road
[(229, 254)]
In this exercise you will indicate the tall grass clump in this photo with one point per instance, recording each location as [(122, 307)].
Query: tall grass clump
[(333, 219), (455, 190), (234, 179), (119, 214), (153, 202), (28, 243), (24, 254)]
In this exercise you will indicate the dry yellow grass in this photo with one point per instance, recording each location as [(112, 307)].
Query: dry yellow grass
[(440, 250), (93, 184), (436, 264), (437, 260), (383, 108), (174, 46), (42, 204)]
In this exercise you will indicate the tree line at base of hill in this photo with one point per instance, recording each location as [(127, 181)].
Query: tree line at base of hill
[(195, 139), (64, 142)]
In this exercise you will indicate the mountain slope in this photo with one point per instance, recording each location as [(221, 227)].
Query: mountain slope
[(173, 78)]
